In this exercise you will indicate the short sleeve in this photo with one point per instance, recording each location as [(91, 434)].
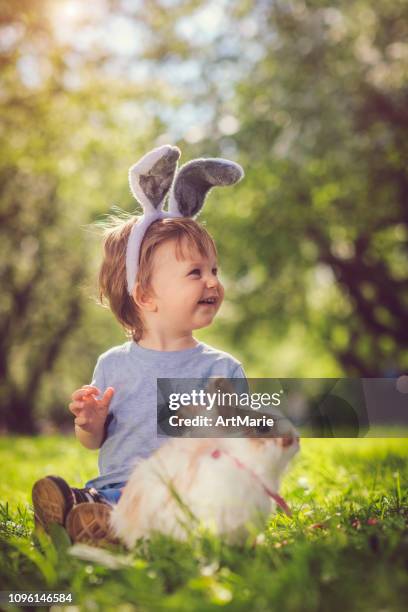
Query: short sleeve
[(242, 385), (98, 380), (98, 377), (238, 372)]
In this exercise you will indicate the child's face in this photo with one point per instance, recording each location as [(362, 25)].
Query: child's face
[(179, 285)]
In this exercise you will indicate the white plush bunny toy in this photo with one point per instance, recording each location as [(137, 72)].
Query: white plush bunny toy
[(226, 485)]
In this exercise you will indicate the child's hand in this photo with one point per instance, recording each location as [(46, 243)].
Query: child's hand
[(90, 413)]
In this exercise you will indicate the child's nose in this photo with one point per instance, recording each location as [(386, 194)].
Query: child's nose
[(212, 281)]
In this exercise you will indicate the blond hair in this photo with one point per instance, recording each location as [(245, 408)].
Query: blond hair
[(112, 284)]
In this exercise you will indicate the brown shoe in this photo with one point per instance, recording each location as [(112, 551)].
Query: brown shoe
[(88, 523), (52, 500)]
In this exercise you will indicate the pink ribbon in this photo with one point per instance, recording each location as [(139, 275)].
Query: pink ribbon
[(275, 496)]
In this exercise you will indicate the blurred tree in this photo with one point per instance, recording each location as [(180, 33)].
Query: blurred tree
[(65, 139), (34, 321), (334, 81)]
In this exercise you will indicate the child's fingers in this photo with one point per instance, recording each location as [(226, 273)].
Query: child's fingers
[(81, 420), (106, 399), (84, 392), (75, 408)]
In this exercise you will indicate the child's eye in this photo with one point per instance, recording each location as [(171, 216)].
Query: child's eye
[(215, 271), (195, 271)]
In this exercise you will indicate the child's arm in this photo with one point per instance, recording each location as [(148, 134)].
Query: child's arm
[(90, 414), (87, 439)]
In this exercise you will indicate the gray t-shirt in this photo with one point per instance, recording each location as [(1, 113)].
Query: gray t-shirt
[(131, 426)]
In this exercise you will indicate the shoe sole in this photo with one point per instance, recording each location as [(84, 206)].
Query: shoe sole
[(52, 500), (88, 523)]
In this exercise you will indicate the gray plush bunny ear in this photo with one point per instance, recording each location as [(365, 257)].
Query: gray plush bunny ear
[(195, 179), (151, 177)]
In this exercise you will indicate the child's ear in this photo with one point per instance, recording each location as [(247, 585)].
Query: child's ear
[(144, 299)]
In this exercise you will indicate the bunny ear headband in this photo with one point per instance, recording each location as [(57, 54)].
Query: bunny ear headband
[(150, 180)]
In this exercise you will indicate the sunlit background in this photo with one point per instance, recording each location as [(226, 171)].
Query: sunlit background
[(310, 98)]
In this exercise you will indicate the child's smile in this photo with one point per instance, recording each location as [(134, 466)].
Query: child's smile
[(187, 293)]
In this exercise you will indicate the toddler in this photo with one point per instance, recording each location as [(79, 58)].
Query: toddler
[(159, 274)]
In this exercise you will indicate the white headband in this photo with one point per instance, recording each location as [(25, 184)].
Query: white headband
[(150, 180)]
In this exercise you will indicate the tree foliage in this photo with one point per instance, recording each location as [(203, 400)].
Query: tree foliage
[(65, 142), (335, 143)]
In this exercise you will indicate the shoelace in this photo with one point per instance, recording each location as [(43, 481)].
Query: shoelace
[(275, 496), (86, 495)]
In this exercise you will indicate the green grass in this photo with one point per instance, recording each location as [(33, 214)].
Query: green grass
[(345, 548)]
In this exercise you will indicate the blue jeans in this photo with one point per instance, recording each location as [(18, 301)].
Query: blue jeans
[(111, 492)]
